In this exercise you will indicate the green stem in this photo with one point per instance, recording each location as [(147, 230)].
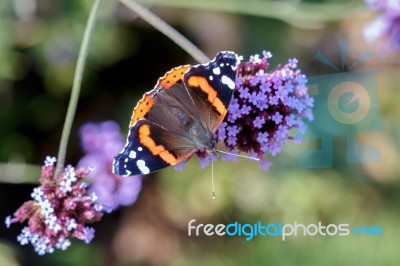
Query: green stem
[(76, 87), (163, 27), (288, 11), (19, 173)]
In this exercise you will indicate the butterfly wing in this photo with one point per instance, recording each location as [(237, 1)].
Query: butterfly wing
[(211, 88), (177, 118), (141, 154), (169, 79)]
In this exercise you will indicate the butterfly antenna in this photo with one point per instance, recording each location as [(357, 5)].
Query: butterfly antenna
[(212, 177), (239, 155)]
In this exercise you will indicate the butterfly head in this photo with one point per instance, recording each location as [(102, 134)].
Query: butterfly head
[(203, 139)]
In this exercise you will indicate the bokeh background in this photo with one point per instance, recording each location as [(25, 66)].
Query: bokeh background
[(39, 42)]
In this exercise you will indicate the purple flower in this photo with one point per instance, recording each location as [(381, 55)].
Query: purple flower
[(89, 234), (232, 130), (266, 106), (282, 93), (262, 137), (63, 243), (293, 63), (385, 28), (71, 224), (258, 122), (222, 131), (205, 159), (55, 214), (245, 110), (235, 113), (277, 118), (265, 86), (253, 98), (179, 166), (265, 165), (262, 104), (254, 81), (298, 139), (8, 221), (100, 142), (273, 100), (267, 54), (238, 82), (282, 133), (244, 93), (232, 140), (230, 157), (271, 104)]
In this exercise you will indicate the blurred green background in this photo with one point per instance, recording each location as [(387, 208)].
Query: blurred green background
[(39, 42)]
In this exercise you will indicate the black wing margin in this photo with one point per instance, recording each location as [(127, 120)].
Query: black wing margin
[(220, 74)]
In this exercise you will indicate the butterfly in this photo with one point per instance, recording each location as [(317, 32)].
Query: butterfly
[(179, 117)]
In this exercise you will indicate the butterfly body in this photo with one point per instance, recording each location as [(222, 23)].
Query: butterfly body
[(179, 116)]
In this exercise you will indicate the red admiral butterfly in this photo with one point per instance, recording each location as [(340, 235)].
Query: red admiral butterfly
[(179, 116)]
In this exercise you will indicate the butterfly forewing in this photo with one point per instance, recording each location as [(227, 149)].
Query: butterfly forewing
[(170, 78), (214, 84)]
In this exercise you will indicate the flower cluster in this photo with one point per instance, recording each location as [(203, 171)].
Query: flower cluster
[(59, 210), (267, 109), (100, 142), (385, 29)]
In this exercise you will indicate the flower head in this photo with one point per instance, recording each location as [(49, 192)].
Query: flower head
[(100, 142), (59, 210), (273, 106), (384, 29)]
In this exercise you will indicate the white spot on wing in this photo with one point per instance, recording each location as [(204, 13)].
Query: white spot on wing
[(226, 80), (140, 149), (132, 155), (126, 160), (211, 78), (128, 173), (142, 167), (217, 71)]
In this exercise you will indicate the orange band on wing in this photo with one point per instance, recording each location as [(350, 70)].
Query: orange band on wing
[(172, 76), (146, 140), (141, 108), (169, 79), (196, 81)]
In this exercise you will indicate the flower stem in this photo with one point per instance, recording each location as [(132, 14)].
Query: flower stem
[(289, 11), (19, 173), (76, 87), (166, 29)]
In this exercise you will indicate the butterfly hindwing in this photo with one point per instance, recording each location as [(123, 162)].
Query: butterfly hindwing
[(136, 158)]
